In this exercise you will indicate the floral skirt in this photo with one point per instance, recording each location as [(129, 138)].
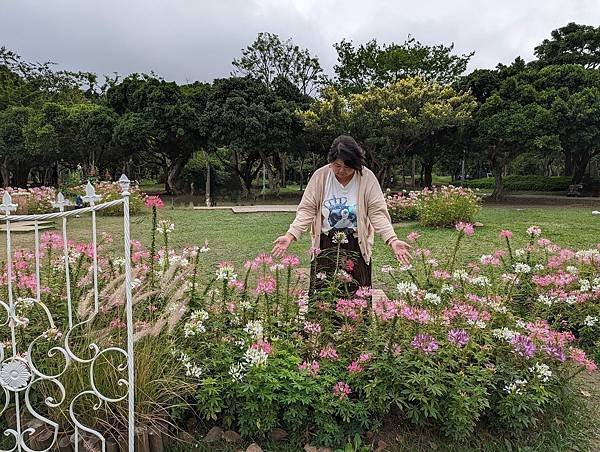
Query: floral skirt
[(356, 272)]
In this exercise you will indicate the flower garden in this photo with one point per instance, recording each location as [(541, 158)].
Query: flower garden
[(233, 352)]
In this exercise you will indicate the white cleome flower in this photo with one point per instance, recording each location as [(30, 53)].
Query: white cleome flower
[(516, 387), (503, 333), (446, 289), (585, 285), (433, 298), (340, 237), (521, 267), (548, 300), (572, 269), (254, 328), (406, 288), (255, 357), (14, 375), (237, 371), (542, 371), (590, 321)]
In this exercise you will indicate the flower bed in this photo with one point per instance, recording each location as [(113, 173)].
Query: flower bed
[(496, 342), (32, 200)]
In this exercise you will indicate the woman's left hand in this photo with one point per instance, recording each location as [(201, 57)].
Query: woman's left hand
[(401, 251)]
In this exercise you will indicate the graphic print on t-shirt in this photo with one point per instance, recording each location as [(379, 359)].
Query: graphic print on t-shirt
[(341, 214)]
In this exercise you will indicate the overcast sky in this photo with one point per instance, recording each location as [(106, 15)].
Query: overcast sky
[(188, 40)]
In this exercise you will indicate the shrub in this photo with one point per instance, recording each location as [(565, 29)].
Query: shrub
[(447, 206), (109, 191), (523, 183)]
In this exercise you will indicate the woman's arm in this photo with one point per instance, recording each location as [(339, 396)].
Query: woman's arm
[(305, 215)]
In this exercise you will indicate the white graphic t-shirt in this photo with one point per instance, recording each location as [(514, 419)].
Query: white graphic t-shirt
[(339, 207)]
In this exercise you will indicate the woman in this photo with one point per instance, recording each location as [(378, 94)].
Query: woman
[(344, 196)]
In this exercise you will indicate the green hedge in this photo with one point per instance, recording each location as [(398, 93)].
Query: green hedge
[(524, 183)]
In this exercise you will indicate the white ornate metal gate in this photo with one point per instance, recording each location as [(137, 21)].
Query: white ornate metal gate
[(18, 370)]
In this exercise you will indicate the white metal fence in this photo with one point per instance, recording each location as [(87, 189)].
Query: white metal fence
[(18, 371)]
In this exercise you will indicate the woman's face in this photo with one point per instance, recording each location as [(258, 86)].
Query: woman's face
[(341, 170)]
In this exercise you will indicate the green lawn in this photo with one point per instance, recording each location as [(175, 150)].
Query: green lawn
[(237, 237)]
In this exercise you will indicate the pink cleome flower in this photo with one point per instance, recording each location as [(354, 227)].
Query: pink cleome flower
[(341, 390), (465, 228), (154, 201)]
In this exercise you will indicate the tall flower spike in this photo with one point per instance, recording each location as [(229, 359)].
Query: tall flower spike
[(90, 194), (61, 202), (124, 182), (7, 205)]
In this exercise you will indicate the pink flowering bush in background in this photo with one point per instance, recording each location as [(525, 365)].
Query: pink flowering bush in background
[(109, 191), (402, 206), (32, 200), (443, 206), (447, 205)]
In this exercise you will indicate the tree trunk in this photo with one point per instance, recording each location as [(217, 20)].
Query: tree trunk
[(272, 174), (580, 163), (414, 171), (301, 175), (498, 193), (568, 163), (20, 176), (208, 193), (5, 174), (283, 165), (174, 185), (427, 169)]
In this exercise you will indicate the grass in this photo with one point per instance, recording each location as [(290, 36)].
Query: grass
[(237, 237)]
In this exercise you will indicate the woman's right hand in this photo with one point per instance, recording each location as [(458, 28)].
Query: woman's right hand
[(281, 245)]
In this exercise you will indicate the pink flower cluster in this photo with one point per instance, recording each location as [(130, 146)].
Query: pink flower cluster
[(329, 352), (312, 367), (312, 328), (425, 343), (341, 390), (154, 201), (260, 260), (466, 228), (262, 345), (265, 286), (467, 312), (351, 308)]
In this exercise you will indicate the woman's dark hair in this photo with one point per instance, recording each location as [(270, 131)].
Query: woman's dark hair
[(348, 151)]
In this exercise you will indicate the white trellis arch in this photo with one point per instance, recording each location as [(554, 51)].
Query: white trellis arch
[(18, 372)]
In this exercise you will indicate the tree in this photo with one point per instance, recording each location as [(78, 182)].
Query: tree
[(572, 94), (25, 84), (160, 119), (13, 147), (373, 65), (393, 121), (571, 44), (268, 58), (253, 123)]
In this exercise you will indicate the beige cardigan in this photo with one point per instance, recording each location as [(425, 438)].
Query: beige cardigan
[(373, 216)]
